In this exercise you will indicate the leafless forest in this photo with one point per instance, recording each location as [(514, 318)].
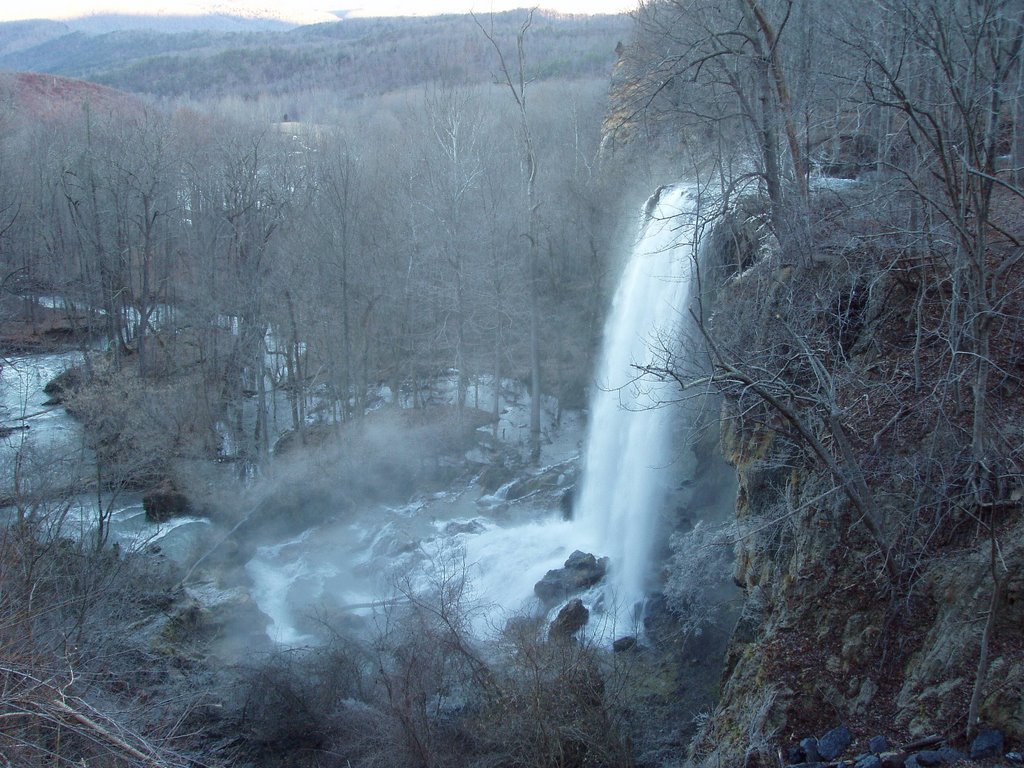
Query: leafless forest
[(270, 246)]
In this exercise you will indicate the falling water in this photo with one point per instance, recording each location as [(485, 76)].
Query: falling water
[(627, 468), (625, 472)]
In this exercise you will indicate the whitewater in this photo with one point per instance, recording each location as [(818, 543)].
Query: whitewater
[(627, 461), (628, 470)]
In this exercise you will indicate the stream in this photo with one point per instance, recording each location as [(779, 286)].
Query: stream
[(499, 547), (50, 463)]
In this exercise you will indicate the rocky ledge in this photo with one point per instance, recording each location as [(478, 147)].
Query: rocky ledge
[(836, 749)]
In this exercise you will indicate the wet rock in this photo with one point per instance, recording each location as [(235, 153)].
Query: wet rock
[(463, 526), (892, 759), (834, 743), (1015, 757), (570, 620), (496, 474), (393, 542), (624, 644), (878, 744), (549, 480), (933, 757), (661, 626), (869, 761), (795, 755), (64, 385), (580, 560), (567, 502), (986, 744), (582, 570), (810, 748), (166, 501)]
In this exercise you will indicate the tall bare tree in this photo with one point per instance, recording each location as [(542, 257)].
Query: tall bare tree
[(514, 76)]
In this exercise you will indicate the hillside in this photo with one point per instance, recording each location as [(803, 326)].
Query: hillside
[(37, 96), (352, 57)]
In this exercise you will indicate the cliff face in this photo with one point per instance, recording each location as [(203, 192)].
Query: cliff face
[(827, 636), (819, 645), (630, 124)]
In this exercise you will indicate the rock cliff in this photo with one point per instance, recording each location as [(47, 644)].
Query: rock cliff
[(889, 632)]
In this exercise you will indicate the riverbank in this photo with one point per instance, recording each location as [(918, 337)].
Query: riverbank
[(28, 326)]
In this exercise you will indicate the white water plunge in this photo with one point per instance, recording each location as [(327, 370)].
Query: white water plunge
[(626, 472), (627, 461)]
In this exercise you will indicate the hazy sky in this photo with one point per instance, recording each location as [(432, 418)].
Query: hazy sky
[(302, 11)]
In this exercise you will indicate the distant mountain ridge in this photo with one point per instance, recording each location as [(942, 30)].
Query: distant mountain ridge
[(352, 57), (189, 16), (99, 24), (18, 36)]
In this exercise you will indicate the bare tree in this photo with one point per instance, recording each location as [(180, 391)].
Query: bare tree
[(949, 88), (724, 71), (514, 76), (450, 185)]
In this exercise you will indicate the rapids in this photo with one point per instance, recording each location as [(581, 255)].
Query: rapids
[(627, 472)]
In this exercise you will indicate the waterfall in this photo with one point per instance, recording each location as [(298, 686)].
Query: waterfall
[(626, 472)]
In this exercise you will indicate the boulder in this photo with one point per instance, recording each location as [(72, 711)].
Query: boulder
[(164, 502), (987, 744), (464, 526), (878, 744), (581, 570), (934, 757), (570, 620), (496, 474), (550, 480), (810, 748), (834, 743), (624, 644), (582, 560)]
